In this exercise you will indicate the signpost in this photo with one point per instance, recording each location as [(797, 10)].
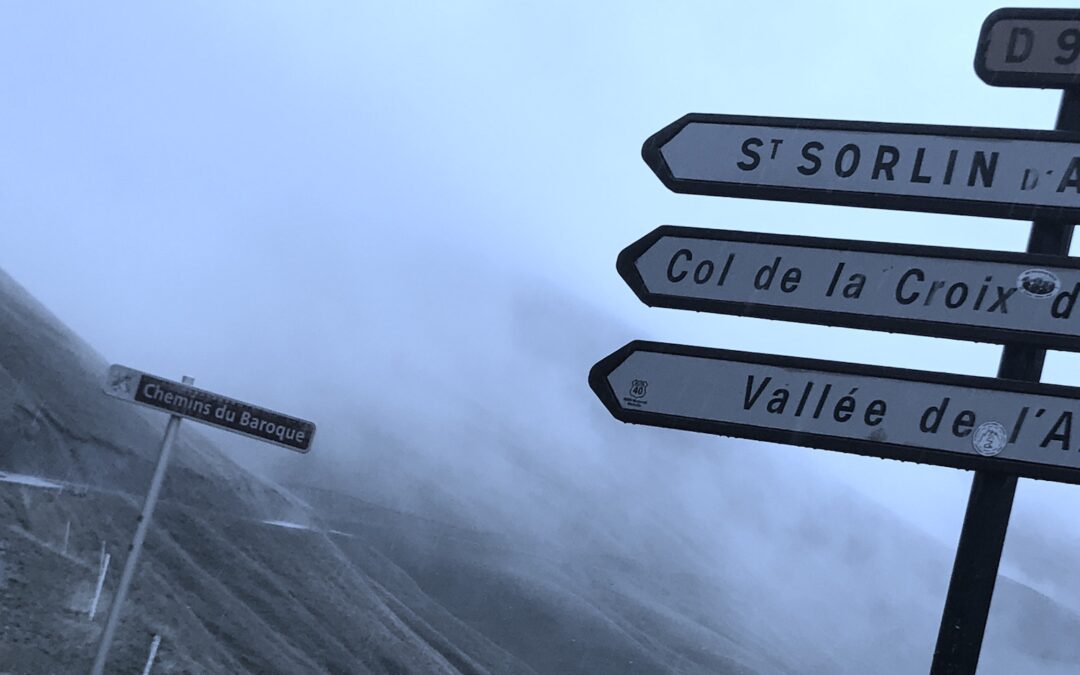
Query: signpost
[(986, 520), (1001, 427), (988, 296), (919, 416), (1030, 48), (975, 171), (183, 400)]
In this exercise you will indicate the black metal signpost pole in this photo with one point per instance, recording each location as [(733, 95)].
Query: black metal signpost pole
[(982, 536), (754, 157)]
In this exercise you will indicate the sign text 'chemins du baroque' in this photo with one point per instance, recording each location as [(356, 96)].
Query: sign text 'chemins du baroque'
[(210, 408)]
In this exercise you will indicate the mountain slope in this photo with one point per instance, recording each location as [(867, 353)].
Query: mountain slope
[(228, 593), (507, 547)]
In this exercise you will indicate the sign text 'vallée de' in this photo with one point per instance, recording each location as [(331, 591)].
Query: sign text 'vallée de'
[(919, 416)]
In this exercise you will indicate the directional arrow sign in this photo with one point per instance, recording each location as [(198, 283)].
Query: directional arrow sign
[(926, 290), (1001, 173), (210, 408), (1030, 48), (934, 418)]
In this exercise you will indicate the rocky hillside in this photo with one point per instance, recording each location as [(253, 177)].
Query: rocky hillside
[(782, 574)]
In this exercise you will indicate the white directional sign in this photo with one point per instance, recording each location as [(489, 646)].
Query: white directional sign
[(987, 296), (934, 418), (1030, 48), (1001, 173), (210, 408)]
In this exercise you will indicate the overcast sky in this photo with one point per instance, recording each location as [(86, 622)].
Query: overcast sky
[(294, 203)]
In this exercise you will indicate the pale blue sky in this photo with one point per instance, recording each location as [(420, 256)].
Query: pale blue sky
[(292, 202)]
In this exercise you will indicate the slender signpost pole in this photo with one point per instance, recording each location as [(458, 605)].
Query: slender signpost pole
[(153, 655), (982, 537), (137, 542), (102, 571)]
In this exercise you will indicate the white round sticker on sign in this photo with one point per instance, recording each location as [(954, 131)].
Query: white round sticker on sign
[(1038, 284), (989, 438)]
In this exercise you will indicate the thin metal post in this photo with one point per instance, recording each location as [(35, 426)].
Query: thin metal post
[(137, 542), (982, 537), (153, 655), (103, 570)]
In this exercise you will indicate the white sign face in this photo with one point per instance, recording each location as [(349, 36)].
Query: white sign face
[(1030, 48), (960, 293), (991, 172), (951, 420), (210, 408)]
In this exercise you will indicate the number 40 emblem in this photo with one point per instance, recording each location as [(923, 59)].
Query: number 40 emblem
[(638, 387)]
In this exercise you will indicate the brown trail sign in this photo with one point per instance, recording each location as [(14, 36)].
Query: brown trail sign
[(210, 408)]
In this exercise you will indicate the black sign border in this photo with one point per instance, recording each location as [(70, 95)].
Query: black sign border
[(627, 268), (996, 78), (599, 384), (650, 152)]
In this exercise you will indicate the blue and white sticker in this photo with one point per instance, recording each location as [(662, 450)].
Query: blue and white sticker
[(989, 439)]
